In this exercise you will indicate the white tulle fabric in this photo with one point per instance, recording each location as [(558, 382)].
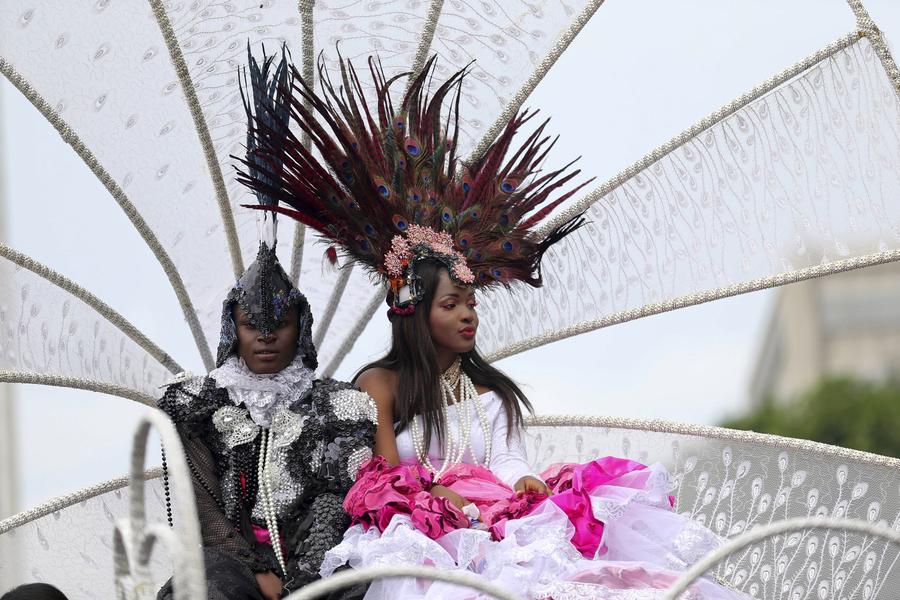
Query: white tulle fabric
[(645, 545)]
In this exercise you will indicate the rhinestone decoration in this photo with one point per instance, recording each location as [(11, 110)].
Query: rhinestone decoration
[(353, 405), (286, 428), (235, 426), (179, 378), (355, 461)]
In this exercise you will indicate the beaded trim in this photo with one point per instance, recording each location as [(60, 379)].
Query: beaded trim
[(209, 152), (78, 383), (69, 136), (67, 500), (337, 293), (120, 322), (425, 39), (307, 44), (868, 28), (647, 310)]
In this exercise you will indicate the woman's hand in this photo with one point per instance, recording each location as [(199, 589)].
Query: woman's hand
[(445, 492), (531, 484), (269, 584)]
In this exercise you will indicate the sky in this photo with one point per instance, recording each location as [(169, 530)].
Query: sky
[(639, 73)]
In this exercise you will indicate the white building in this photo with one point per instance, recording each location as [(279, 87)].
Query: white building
[(846, 324)]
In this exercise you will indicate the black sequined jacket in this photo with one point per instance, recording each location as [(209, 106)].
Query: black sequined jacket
[(316, 450)]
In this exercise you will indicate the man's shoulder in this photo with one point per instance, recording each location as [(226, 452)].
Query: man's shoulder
[(188, 397), (344, 400)]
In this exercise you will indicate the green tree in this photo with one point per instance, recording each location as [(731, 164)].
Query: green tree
[(839, 410)]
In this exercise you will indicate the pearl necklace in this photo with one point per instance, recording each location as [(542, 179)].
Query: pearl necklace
[(264, 495), (455, 447)]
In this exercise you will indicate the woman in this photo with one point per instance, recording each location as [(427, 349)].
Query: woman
[(451, 486), (604, 529)]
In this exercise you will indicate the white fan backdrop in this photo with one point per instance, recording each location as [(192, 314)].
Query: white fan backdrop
[(639, 73)]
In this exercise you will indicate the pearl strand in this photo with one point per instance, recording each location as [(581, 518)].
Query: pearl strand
[(455, 448), (482, 418), (264, 485)]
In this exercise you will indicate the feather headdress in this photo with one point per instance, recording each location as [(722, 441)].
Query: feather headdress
[(264, 291), (390, 189)]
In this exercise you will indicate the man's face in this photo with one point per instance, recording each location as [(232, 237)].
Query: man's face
[(266, 354)]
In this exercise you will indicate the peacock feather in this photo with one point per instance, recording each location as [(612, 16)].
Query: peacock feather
[(382, 169)]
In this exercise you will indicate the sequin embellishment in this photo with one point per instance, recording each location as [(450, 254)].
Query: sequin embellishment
[(235, 426), (353, 405), (286, 428)]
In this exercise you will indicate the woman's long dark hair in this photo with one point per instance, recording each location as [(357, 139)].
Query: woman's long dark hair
[(412, 356)]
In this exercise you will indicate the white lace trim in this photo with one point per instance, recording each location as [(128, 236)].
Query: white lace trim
[(607, 508), (536, 558), (263, 395), (574, 590)]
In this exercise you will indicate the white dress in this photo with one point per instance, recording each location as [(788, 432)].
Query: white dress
[(645, 544)]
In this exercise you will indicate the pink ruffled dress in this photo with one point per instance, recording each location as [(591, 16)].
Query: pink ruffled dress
[(608, 531)]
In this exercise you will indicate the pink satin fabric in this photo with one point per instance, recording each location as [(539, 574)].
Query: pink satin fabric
[(381, 491), (262, 535), (572, 484)]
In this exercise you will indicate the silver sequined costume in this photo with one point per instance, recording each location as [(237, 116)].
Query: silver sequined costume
[(320, 441)]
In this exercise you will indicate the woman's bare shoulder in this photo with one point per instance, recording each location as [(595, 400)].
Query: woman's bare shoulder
[(378, 382)]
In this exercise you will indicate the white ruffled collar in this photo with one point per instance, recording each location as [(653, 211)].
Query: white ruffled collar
[(263, 395)]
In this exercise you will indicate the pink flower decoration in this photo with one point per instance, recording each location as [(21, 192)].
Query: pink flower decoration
[(440, 242), (462, 271), (436, 516), (396, 260), (381, 491)]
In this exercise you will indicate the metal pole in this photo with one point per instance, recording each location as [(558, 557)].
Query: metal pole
[(10, 567)]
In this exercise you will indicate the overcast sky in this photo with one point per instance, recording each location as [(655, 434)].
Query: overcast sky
[(640, 72)]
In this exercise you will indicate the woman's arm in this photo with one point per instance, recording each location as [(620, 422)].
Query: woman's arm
[(508, 459), (380, 385)]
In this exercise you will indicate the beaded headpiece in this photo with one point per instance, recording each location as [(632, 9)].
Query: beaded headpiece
[(264, 291), (390, 191)]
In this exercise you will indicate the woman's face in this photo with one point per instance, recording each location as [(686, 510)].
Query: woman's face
[(266, 354), (453, 321)]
